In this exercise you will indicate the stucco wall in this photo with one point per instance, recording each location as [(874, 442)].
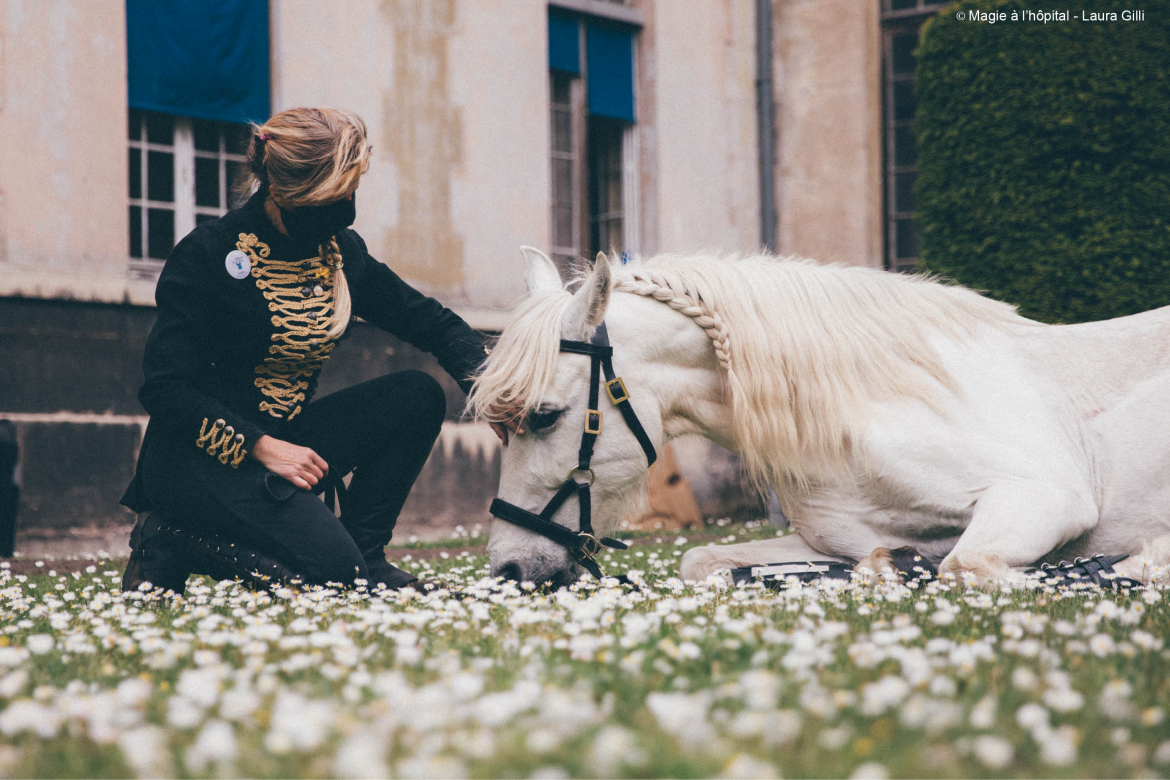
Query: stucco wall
[(63, 121), (455, 95), (828, 92), (705, 126)]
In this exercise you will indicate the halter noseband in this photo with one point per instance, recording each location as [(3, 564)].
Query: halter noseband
[(583, 546)]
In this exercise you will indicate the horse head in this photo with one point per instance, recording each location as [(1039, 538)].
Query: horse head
[(532, 370)]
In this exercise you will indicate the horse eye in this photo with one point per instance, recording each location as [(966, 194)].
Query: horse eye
[(542, 418)]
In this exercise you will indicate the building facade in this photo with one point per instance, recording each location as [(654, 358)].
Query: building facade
[(572, 125)]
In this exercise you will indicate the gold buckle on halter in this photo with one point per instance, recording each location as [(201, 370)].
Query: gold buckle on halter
[(574, 470), (592, 421), (589, 546), (622, 395)]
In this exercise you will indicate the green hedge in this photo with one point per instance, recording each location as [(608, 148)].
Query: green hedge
[(1045, 158)]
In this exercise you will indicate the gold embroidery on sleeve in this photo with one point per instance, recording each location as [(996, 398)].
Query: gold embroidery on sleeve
[(224, 439), (210, 438), (299, 347)]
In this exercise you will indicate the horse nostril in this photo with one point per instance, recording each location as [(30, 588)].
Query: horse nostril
[(510, 571)]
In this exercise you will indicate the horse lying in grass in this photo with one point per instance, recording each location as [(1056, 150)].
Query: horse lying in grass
[(885, 410)]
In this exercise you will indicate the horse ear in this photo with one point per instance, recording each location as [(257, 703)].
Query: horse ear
[(539, 272), (587, 309)]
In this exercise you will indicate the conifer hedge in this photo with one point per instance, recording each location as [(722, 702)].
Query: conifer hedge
[(1045, 158)]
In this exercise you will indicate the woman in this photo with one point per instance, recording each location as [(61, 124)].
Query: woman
[(249, 308)]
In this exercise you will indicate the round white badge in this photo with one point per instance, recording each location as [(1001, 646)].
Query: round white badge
[(238, 264)]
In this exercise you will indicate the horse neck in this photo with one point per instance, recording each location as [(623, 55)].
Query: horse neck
[(664, 354)]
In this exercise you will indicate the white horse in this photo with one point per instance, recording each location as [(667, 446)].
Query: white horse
[(885, 411)]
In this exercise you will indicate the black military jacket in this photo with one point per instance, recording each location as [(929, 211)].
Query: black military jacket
[(240, 337)]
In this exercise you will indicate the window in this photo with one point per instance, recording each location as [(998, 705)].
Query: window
[(593, 149), (181, 174), (901, 22)]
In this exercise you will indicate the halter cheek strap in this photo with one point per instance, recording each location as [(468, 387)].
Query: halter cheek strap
[(583, 546)]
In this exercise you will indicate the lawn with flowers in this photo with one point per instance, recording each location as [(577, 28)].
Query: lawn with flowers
[(661, 679)]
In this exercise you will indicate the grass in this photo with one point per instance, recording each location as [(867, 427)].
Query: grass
[(663, 680)]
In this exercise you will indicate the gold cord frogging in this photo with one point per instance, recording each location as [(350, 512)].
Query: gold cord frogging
[(222, 437), (299, 345)]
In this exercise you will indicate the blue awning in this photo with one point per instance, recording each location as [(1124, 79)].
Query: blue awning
[(609, 56), (199, 59), (564, 43)]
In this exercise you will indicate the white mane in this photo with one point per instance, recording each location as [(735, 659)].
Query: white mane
[(807, 348)]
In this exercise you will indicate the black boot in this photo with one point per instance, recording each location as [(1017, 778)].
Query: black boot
[(224, 560), (382, 572), (157, 557)]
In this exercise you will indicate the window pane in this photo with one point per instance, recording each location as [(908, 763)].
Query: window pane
[(904, 201), (206, 181), (901, 5), (160, 176), (560, 89), (135, 231), (236, 138), (134, 125), (905, 147), (905, 239), (201, 218), (904, 103), (160, 129), (235, 171), (562, 131), (903, 53), (206, 135), (135, 173), (563, 226), (563, 181), (161, 226)]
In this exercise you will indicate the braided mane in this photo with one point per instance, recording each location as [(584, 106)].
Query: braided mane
[(807, 349)]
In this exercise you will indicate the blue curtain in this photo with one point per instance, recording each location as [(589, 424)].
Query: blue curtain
[(564, 47), (609, 56), (198, 58)]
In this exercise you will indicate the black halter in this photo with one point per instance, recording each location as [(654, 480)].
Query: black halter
[(583, 546)]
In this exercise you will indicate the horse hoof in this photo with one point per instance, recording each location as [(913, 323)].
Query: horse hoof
[(910, 564)]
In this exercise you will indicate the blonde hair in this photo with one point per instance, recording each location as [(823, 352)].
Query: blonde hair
[(308, 157)]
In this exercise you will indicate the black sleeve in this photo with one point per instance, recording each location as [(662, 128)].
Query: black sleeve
[(178, 356), (381, 298)]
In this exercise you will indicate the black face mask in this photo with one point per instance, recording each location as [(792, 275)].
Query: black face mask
[(317, 224)]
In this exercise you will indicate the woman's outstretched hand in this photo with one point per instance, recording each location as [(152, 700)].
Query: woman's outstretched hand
[(514, 423), (299, 465)]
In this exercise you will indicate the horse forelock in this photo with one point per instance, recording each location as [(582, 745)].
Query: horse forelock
[(807, 349), (520, 368)]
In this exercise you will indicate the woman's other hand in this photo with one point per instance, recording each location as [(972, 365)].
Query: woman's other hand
[(299, 465), (514, 423)]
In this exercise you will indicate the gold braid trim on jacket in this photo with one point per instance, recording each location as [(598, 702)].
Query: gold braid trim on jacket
[(299, 345), (222, 437)]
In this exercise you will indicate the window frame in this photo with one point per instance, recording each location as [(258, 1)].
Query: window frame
[(898, 22), (184, 208), (584, 218)]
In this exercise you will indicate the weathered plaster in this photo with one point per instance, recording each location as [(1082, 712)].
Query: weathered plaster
[(63, 116), (705, 106), (424, 139), (827, 72)]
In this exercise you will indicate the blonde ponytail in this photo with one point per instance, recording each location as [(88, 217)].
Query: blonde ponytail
[(342, 307)]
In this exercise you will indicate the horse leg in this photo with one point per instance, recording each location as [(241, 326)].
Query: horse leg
[(1015, 524), (699, 562)]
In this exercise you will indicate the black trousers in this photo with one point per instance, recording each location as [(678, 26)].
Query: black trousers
[(381, 431)]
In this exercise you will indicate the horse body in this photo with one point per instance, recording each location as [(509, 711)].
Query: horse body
[(989, 444)]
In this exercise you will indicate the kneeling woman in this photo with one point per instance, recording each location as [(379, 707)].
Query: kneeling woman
[(249, 308)]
